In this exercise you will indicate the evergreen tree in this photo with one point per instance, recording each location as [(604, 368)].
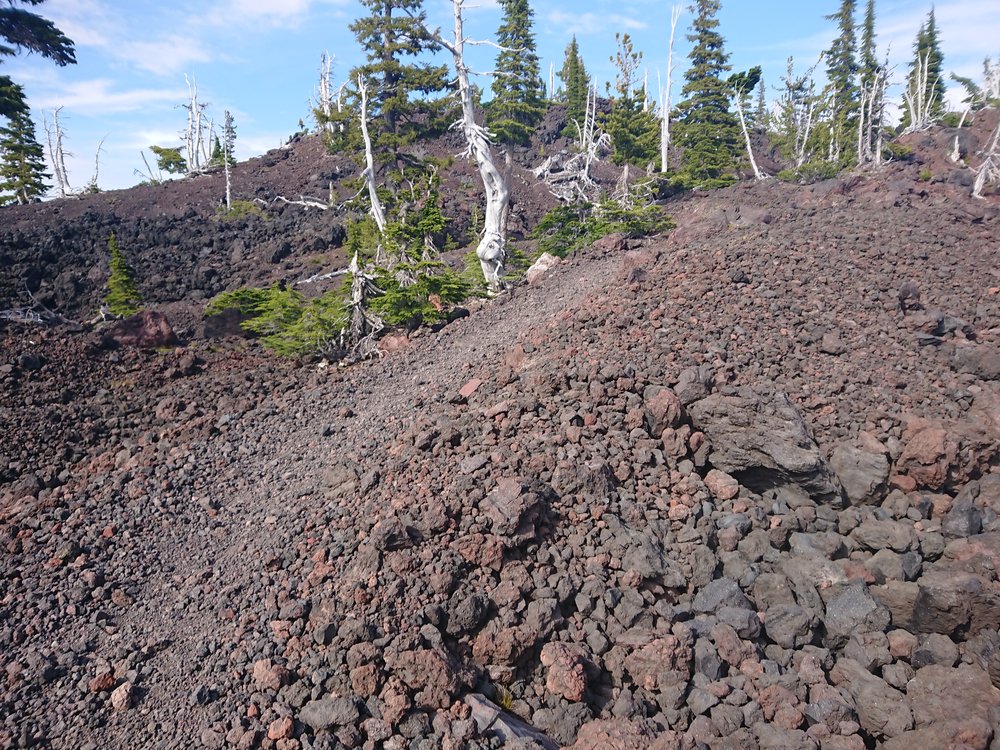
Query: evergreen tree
[(123, 297), (634, 133), (23, 30), (927, 50), (397, 30), (576, 84), (867, 55), (760, 116), (22, 161), (517, 87), (841, 73), (708, 131)]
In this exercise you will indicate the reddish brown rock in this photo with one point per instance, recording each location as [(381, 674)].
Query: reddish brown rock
[(269, 676), (566, 675), (928, 455), (144, 330)]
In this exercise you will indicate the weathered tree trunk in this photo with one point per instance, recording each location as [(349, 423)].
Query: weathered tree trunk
[(378, 213), (54, 136), (675, 14), (758, 175), (989, 170), (492, 250)]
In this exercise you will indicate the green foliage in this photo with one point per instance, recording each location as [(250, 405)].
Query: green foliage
[(239, 209), (22, 31), (123, 297), (396, 30), (517, 106), (570, 227), (925, 174), (635, 133), (810, 172), (169, 160), (417, 291), (707, 131), (286, 322), (896, 151), (576, 84), (841, 73), (22, 161), (927, 44)]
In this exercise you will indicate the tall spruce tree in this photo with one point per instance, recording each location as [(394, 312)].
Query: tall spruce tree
[(22, 160), (927, 51), (576, 84), (634, 131), (26, 31), (867, 54), (396, 31), (517, 86), (841, 73), (708, 131)]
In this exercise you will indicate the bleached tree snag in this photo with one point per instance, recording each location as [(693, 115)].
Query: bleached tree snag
[(324, 92), (920, 99), (871, 118), (492, 249), (196, 146), (305, 202), (378, 213), (57, 157), (365, 326), (228, 146), (317, 277), (675, 15), (743, 83), (988, 172)]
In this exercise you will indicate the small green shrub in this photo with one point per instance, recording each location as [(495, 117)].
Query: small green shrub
[(898, 151), (417, 291), (810, 172), (567, 228), (123, 298), (286, 322), (240, 209), (926, 174)]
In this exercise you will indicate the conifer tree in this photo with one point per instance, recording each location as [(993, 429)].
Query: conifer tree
[(123, 297), (867, 54), (927, 63), (841, 72), (396, 31), (23, 30), (517, 86), (576, 84), (709, 132), (22, 160), (634, 131)]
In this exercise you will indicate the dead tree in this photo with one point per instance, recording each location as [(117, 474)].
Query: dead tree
[(675, 14), (364, 326), (492, 249), (324, 93), (920, 97), (196, 144), (871, 117), (92, 186), (988, 171), (57, 156), (742, 84), (228, 147), (378, 213)]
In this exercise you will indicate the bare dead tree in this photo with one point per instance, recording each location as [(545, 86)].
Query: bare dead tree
[(492, 249), (378, 213), (324, 92), (920, 96), (92, 186), (741, 91), (988, 171), (228, 146), (675, 14), (57, 156), (196, 145), (364, 326), (871, 117)]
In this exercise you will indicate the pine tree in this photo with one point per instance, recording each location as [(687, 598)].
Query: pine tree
[(709, 132), (841, 72), (576, 84), (23, 30), (634, 132), (517, 86), (123, 297), (867, 54), (927, 53), (396, 30), (22, 160), (761, 116)]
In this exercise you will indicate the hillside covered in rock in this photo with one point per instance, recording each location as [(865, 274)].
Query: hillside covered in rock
[(737, 486)]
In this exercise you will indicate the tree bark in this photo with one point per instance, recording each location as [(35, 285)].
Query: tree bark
[(378, 213)]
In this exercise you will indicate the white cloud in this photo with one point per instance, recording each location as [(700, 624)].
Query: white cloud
[(167, 55), (266, 13), (592, 23), (98, 96)]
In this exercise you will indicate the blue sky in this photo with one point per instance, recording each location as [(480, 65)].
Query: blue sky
[(260, 58)]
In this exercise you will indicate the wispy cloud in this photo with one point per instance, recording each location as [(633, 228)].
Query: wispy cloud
[(99, 96), (168, 55), (264, 13), (592, 23)]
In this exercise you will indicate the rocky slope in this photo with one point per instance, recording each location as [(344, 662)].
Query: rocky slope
[(723, 488)]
